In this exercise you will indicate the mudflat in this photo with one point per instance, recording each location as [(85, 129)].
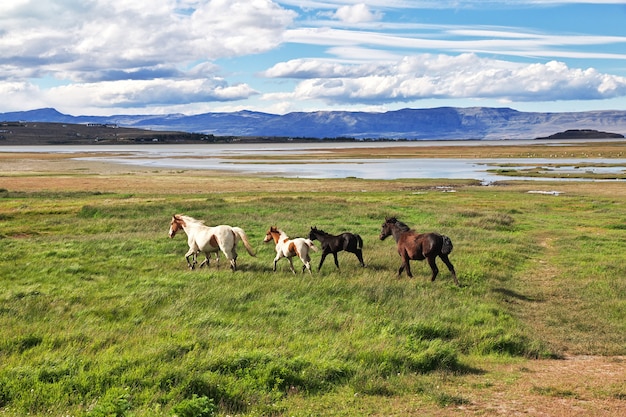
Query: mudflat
[(63, 171)]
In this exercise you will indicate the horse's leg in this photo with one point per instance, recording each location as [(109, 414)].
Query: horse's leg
[(217, 257), (446, 261), (206, 260), (322, 260), (406, 259), (400, 270), (232, 258), (191, 253), (433, 265), (306, 260), (307, 265), (401, 265), (336, 261), (291, 265), (408, 268), (233, 261), (276, 261), (359, 255)]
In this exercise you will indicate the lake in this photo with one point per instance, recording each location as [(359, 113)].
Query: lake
[(232, 158)]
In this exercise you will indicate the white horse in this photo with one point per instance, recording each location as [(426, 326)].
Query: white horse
[(287, 248), (206, 239)]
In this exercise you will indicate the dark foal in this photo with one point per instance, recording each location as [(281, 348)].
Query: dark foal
[(418, 246), (349, 242)]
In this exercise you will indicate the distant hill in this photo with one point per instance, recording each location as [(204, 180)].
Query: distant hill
[(444, 123), (584, 134), (24, 133)]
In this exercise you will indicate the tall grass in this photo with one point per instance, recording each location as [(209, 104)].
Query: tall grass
[(100, 316)]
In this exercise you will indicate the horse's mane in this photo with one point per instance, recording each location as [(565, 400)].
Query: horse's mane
[(276, 229), (400, 225), (189, 219), (320, 231)]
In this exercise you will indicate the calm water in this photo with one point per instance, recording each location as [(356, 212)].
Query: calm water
[(217, 157)]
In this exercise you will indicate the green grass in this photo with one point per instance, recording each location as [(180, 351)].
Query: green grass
[(100, 316)]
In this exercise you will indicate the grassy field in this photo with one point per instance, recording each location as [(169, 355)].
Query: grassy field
[(100, 316)]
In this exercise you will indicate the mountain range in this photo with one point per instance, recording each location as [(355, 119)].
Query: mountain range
[(444, 123)]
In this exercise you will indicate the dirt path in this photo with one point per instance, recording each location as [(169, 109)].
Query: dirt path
[(575, 386)]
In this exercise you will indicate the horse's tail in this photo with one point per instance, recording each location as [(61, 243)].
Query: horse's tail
[(310, 244), (239, 231), (359, 241), (446, 247)]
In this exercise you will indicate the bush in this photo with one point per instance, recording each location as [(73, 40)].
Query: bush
[(115, 403), (195, 407)]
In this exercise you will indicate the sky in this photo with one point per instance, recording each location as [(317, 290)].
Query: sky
[(108, 57)]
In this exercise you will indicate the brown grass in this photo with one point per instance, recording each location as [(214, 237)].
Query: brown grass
[(575, 386), (581, 386)]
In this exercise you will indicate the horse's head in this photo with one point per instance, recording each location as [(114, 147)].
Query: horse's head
[(387, 230), (176, 224), (272, 234), (314, 233)]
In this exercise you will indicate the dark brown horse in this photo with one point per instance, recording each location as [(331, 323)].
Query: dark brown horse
[(349, 242), (418, 246)]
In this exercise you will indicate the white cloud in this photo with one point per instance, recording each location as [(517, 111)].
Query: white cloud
[(135, 93), (511, 42), (357, 13), (441, 4), (444, 77), (104, 44), (106, 55)]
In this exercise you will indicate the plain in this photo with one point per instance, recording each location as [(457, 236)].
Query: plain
[(100, 315)]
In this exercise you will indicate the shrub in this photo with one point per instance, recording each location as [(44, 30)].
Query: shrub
[(195, 407), (114, 404)]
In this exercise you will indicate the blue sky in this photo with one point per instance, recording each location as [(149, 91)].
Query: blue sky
[(104, 57)]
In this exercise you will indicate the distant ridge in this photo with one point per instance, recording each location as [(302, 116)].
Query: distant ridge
[(443, 123)]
